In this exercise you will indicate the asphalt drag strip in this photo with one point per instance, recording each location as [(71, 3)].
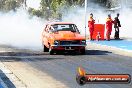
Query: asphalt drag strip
[(60, 70)]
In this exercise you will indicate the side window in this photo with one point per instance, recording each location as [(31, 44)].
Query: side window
[(50, 29), (46, 28), (76, 29)]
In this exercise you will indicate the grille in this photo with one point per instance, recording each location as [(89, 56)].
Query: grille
[(69, 42)]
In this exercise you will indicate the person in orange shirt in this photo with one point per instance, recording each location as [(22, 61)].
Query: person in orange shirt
[(109, 23), (91, 22)]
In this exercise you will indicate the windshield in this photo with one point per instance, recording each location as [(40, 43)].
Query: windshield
[(65, 27)]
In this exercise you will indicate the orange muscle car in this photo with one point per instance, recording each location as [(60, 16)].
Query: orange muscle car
[(62, 36)]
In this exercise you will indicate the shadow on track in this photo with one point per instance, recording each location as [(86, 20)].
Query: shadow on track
[(24, 56), (41, 56), (97, 52), (88, 52)]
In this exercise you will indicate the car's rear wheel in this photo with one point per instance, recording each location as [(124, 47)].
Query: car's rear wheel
[(45, 49)]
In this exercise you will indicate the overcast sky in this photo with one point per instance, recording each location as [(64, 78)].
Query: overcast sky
[(33, 3)]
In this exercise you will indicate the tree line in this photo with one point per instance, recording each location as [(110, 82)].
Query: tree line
[(55, 8), (49, 8), (8, 5)]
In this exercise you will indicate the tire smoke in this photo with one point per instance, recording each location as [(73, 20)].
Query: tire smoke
[(77, 16), (20, 30)]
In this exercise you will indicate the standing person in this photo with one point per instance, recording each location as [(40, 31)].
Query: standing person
[(116, 26), (91, 22), (109, 22)]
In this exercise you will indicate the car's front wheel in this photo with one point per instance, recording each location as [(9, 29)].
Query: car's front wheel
[(83, 52), (51, 51), (45, 49)]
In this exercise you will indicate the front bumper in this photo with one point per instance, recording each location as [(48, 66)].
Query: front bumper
[(68, 47)]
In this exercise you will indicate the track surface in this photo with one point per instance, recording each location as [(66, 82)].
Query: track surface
[(123, 44), (63, 67)]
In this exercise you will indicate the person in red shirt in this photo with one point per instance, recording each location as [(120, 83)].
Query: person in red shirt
[(109, 23), (91, 22)]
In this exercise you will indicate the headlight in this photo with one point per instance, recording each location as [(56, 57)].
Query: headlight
[(56, 42), (83, 42)]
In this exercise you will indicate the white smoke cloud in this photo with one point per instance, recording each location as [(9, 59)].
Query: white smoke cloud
[(125, 17), (33, 3), (77, 16), (19, 30)]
